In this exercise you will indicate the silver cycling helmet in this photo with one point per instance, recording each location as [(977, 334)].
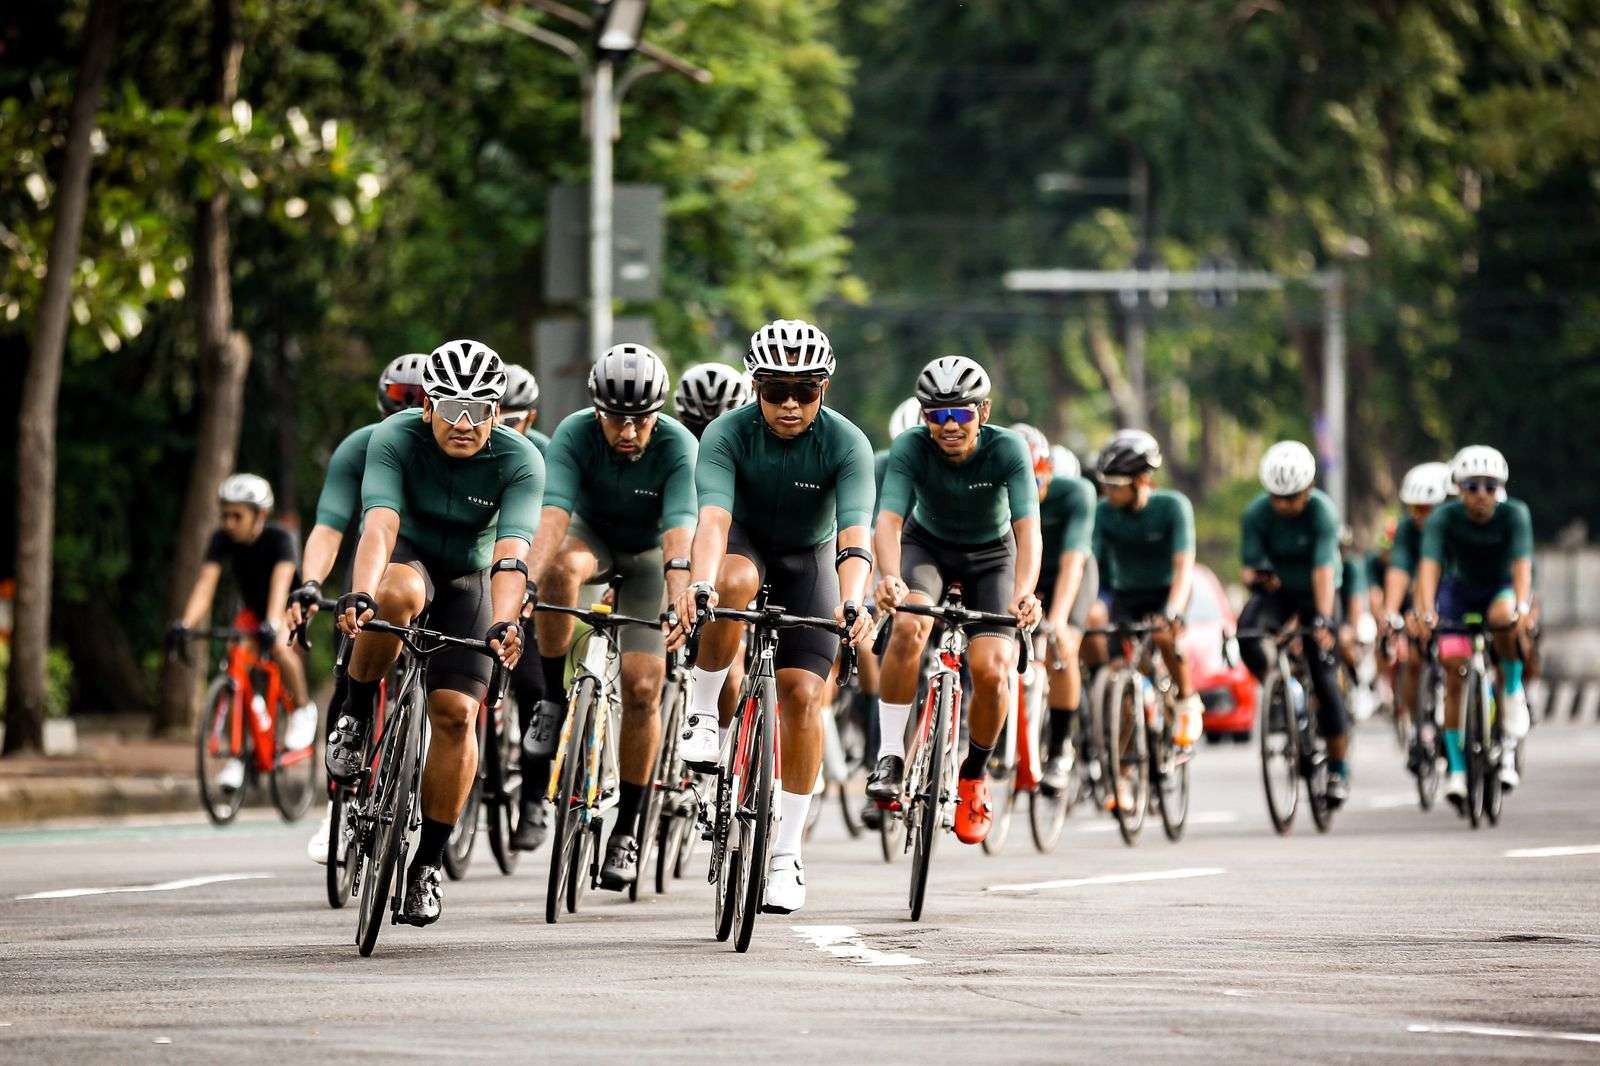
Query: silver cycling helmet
[(1479, 460), (464, 370), (707, 390), (249, 489), (1064, 462), (522, 390), (400, 384), (1426, 485), (952, 380), (1288, 468), (629, 379), (790, 346), (908, 415)]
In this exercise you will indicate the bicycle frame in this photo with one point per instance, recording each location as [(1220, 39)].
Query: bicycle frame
[(239, 663)]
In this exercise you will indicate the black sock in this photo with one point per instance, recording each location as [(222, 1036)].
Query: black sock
[(555, 677), (975, 764), (1060, 728), (628, 808), (535, 778), (341, 696), (430, 844), (360, 699)]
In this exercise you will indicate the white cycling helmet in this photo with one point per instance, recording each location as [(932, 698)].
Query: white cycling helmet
[(707, 390), (1064, 462), (952, 380), (1288, 468), (1426, 485), (790, 346), (1479, 460), (522, 389), (906, 416), (400, 384), (629, 379), (249, 489), (464, 370)]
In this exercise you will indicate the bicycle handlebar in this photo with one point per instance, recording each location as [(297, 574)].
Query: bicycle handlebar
[(300, 634), (597, 619), (426, 643), (958, 617), (775, 618)]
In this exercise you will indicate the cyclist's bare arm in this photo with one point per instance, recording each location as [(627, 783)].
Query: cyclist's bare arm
[(553, 525), (1395, 584), (322, 548), (200, 597), (1030, 548), (854, 573), (1323, 593), (380, 528), (1182, 578), (1069, 576), (676, 543), (278, 596), (705, 559), (1522, 586), (886, 542), (506, 590)]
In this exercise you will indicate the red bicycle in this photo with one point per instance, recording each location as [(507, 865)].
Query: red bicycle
[(242, 726)]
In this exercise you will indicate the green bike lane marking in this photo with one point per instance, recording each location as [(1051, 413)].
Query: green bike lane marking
[(81, 834)]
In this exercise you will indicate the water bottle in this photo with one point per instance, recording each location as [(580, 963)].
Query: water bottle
[(1297, 700), (1147, 696), (258, 707)]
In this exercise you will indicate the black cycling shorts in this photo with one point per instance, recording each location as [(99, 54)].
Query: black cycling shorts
[(1088, 592), (987, 572), (459, 607), (1131, 606), (805, 583)]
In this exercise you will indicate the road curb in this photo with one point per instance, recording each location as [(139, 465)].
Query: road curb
[(25, 800)]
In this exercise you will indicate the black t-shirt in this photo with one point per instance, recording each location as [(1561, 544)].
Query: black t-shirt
[(251, 564)]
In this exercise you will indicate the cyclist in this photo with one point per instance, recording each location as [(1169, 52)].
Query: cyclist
[(263, 558), (619, 502), (519, 410), (399, 389), (1143, 542), (959, 503), (1477, 558), (785, 493), (1289, 547), (1353, 600), (1424, 488), (449, 505), (707, 391), (1069, 583)]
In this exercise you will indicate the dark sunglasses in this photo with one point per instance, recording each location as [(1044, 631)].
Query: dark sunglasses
[(779, 393), (938, 416), (1480, 484)]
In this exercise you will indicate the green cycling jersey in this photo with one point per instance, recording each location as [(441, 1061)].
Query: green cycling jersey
[(453, 510), (1407, 550), (1354, 579), (1066, 521), (341, 488), (786, 494), (970, 502), (627, 500), (1291, 547), (540, 441), (1135, 548), (1479, 553), (880, 466)]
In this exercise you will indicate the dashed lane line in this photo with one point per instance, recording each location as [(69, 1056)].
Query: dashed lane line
[(1553, 853), (163, 886), (1524, 1034), (844, 942), (1112, 879)]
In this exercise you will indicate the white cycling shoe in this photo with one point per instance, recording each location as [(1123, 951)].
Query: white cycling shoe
[(786, 885), (231, 776), (701, 743), (317, 846), (1514, 717), (1455, 789), (1191, 721), (301, 732), (1509, 778)]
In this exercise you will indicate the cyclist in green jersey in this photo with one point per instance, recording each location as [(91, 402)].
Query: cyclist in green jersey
[(1289, 547), (1477, 558), (1424, 488), (1353, 599), (449, 503), (519, 410), (785, 493), (1069, 586), (706, 392), (619, 504), (959, 504), (399, 389), (1143, 542)]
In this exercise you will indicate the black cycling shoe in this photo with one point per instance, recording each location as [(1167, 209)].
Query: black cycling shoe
[(621, 867), (872, 815), (545, 729), (887, 776), (347, 747), (1338, 791), (532, 827), (424, 896)]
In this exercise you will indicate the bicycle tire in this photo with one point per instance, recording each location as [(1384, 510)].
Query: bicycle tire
[(502, 779), (390, 803), (221, 705), (1130, 755), (1002, 793), (1493, 788), (925, 799), (1169, 771), (293, 779), (584, 858), (756, 828), (724, 873), (340, 873), (1280, 753), (464, 834), (566, 818), (1472, 742), (649, 826)]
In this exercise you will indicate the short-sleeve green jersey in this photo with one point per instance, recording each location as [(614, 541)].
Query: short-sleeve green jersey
[(880, 466), (1479, 553), (1066, 521), (1135, 548), (453, 510), (540, 441), (786, 494), (1376, 570), (1407, 550), (970, 502), (1353, 576), (1291, 547), (341, 487), (627, 501)]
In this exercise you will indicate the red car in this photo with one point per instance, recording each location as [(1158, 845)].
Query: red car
[(1225, 686)]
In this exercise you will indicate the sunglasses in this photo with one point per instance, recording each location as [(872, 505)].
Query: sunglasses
[(476, 412), (779, 393), (401, 393), (938, 416), (621, 422), (1480, 484)]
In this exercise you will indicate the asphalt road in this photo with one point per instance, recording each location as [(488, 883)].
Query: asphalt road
[(1398, 936)]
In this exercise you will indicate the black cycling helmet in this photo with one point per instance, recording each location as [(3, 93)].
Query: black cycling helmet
[(400, 384), (1129, 453), (629, 379)]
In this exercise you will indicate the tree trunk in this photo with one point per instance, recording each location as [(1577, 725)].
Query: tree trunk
[(36, 423), (106, 674), (224, 361), (1103, 353)]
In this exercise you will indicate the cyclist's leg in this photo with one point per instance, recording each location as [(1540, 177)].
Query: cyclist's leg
[(403, 592), (988, 579), (642, 594), (581, 557), (292, 667), (1065, 695), (1455, 601), (1323, 664), (1264, 611), (1514, 718), (901, 666), (739, 578)]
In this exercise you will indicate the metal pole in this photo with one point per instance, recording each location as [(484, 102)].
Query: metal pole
[(600, 130), (1333, 387)]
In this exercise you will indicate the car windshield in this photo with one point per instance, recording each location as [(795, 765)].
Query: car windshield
[(1203, 606)]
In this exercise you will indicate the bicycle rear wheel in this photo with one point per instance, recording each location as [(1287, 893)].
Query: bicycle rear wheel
[(567, 824), (1280, 753), (215, 748), (1128, 755), (926, 791), (389, 816), (293, 781), (650, 819), (756, 817), (340, 873), (1170, 771), (503, 789), (458, 849), (1476, 749), (1002, 789)]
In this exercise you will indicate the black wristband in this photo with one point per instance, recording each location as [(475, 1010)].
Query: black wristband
[(502, 565), (675, 564), (852, 553)]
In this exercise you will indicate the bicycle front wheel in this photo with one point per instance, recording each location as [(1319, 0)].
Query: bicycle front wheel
[(223, 739), (756, 816), (926, 792), (1280, 753), (567, 825), (502, 797), (1127, 748), (293, 781), (1169, 769), (389, 815)]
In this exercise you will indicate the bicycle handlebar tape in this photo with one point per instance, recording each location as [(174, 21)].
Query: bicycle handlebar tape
[(847, 651)]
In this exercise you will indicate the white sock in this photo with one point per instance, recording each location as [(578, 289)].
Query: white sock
[(792, 808), (704, 688), (892, 719)]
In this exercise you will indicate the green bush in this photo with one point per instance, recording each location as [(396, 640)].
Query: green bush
[(58, 680)]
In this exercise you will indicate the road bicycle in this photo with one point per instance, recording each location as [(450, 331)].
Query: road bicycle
[(1425, 735), (1482, 742), (1047, 812), (674, 800), (1145, 767), (493, 805), (243, 723), (928, 796), (744, 811), (1292, 746), (844, 744)]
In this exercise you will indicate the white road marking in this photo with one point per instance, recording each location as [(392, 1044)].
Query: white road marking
[(1198, 818), (164, 886), (843, 942), (1392, 801), (1236, 993), (1553, 853), (1527, 1034), (1113, 879)]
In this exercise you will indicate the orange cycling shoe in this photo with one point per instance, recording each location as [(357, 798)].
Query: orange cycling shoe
[(973, 816)]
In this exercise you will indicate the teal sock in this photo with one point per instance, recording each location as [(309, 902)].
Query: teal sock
[(1339, 767), (1512, 672), (1452, 751)]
